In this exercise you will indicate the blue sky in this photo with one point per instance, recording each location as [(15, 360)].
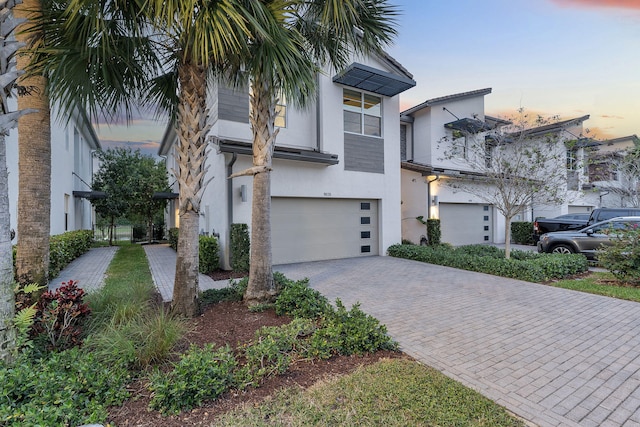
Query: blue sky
[(552, 57)]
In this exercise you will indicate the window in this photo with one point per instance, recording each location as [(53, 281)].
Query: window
[(281, 112), (362, 113), (572, 161), (488, 153), (459, 144)]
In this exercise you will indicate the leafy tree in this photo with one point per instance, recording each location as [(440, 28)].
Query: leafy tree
[(514, 165), (8, 121), (129, 180), (303, 36), (627, 166)]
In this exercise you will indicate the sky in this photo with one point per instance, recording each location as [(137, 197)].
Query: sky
[(565, 58)]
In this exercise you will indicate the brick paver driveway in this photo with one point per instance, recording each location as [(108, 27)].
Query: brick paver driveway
[(552, 356)]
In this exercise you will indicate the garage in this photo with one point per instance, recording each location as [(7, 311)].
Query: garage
[(466, 223), (309, 229)]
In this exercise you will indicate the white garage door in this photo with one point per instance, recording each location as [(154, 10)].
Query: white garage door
[(317, 229), (466, 223)]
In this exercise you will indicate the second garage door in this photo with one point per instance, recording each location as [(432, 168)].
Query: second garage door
[(466, 223), (306, 229)]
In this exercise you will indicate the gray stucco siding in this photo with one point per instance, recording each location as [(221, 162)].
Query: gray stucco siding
[(363, 153), (233, 106)]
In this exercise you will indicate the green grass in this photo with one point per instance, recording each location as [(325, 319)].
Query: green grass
[(389, 393), (590, 285)]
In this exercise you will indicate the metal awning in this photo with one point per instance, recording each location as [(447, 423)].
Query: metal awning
[(468, 125), (288, 153), (373, 80), (91, 195), (164, 195)]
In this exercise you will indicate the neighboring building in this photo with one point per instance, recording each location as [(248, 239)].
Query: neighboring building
[(611, 183), (73, 143), (335, 181), (432, 164)]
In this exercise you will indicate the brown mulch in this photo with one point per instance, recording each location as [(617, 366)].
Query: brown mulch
[(232, 323)]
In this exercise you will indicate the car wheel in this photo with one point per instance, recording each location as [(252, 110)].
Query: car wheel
[(562, 249)]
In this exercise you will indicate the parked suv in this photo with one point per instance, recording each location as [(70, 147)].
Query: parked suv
[(602, 214), (588, 240)]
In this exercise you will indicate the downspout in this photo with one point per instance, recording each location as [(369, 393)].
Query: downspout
[(318, 114), (232, 161)]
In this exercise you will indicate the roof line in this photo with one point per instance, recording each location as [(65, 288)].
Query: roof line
[(442, 99)]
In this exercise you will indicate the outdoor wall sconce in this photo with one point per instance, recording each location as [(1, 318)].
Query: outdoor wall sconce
[(434, 200), (243, 193)]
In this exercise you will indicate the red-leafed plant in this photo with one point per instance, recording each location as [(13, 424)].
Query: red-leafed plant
[(61, 315)]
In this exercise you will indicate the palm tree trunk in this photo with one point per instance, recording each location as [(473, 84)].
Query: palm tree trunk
[(34, 170), (261, 287), (191, 156), (7, 298)]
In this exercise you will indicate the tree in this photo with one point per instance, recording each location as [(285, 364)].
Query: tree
[(108, 56), (34, 165), (8, 121), (513, 165), (303, 37), (129, 180)]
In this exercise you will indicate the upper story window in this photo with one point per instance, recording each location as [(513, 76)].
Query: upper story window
[(459, 144), (489, 145), (572, 160), (281, 112), (362, 113)]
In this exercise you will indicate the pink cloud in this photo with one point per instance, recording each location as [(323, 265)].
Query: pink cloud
[(621, 4), (607, 116)]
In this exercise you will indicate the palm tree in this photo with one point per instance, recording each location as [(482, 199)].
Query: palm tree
[(304, 36), (8, 121), (34, 164), (108, 56)]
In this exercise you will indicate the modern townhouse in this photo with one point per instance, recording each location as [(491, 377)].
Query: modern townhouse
[(335, 182)]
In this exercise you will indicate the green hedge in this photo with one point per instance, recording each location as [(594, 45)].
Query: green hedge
[(529, 266), (209, 254), (240, 247), (64, 248), (433, 232), (522, 232), (173, 238)]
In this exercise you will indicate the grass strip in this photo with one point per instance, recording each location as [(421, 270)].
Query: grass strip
[(596, 284), (395, 392)]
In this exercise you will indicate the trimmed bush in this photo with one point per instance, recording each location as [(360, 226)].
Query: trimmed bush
[(64, 248), (233, 292), (434, 233), (209, 254), (622, 258), (522, 232), (240, 247), (173, 238), (488, 259), (297, 299)]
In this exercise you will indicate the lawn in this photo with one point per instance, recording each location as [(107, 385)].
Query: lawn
[(600, 283)]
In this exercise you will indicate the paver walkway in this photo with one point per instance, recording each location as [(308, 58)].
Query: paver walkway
[(88, 270), (552, 356)]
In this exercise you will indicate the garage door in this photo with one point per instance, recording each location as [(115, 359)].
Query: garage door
[(466, 223), (306, 229)]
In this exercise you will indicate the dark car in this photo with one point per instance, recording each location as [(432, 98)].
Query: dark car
[(588, 240)]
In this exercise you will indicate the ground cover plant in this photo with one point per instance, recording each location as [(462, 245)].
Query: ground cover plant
[(522, 265)]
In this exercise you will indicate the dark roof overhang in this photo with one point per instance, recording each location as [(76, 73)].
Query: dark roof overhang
[(427, 170), (158, 195), (468, 125), (287, 153), (91, 195), (371, 79)]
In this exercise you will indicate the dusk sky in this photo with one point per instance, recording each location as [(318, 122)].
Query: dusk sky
[(552, 57)]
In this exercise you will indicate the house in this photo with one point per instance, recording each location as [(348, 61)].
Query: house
[(613, 180), (335, 181), (446, 142), (73, 143)]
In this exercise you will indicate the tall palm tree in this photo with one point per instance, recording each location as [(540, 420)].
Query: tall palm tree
[(108, 56), (34, 160), (8, 121), (304, 36)]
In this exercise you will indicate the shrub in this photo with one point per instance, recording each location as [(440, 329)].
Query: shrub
[(522, 232), (488, 259), (66, 388), (233, 292), (434, 233), (60, 317), (297, 299), (201, 374), (64, 248), (240, 247), (622, 258), (209, 254), (349, 332), (173, 238)]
